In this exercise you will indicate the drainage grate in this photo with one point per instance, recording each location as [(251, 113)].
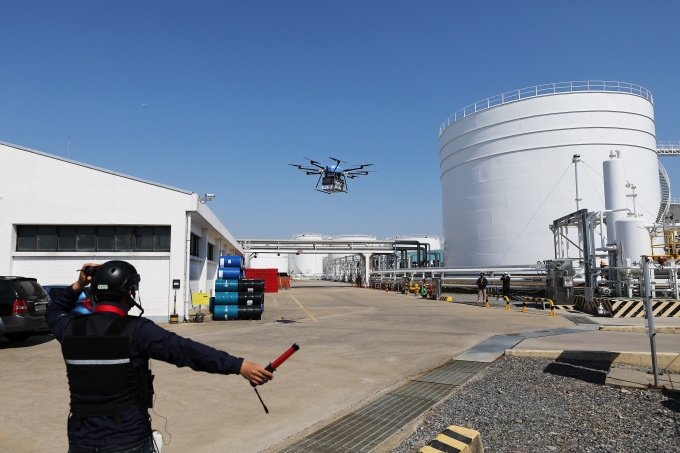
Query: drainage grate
[(426, 390), (399, 408), (456, 372), (365, 429), (368, 427), (578, 319)]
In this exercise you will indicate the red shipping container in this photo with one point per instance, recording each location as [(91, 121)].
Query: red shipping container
[(270, 277)]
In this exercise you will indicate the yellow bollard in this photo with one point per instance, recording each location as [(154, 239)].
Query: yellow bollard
[(524, 305), (552, 308), (487, 301), (507, 302), (387, 288)]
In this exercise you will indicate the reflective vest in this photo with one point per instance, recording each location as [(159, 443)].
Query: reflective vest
[(102, 382)]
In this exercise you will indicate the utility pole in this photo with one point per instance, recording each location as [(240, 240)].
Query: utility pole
[(647, 273), (69, 145)]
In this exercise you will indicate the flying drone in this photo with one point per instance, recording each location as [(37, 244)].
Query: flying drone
[(332, 178)]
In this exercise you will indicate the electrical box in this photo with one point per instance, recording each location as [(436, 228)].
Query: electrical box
[(559, 280), (175, 284)]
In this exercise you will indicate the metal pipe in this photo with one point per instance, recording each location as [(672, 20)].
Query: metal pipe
[(575, 160)]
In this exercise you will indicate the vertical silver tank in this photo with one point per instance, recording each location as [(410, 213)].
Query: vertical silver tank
[(614, 192)]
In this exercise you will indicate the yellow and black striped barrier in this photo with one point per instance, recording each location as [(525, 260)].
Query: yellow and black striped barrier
[(446, 298), (538, 299), (455, 439), (487, 302)]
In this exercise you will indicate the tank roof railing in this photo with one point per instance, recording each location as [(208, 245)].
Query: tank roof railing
[(668, 148), (547, 90)]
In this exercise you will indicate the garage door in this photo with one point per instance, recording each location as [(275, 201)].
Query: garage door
[(154, 289)]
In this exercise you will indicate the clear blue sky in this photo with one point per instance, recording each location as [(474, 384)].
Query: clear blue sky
[(234, 91)]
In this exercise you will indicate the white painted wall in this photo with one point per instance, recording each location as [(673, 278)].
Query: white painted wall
[(499, 166), (63, 192)]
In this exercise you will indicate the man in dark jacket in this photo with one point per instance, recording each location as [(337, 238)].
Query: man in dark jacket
[(505, 279), (482, 283), (107, 361)]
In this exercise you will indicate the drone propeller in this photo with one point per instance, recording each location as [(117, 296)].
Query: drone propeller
[(313, 162), (360, 167), (307, 169)]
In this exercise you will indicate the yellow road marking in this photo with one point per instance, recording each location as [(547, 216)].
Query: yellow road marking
[(309, 315)]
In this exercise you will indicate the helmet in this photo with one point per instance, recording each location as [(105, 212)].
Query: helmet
[(113, 280)]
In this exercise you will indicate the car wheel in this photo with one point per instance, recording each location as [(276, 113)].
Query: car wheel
[(18, 336)]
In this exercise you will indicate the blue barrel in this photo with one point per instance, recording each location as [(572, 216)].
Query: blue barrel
[(226, 299), (228, 273), (222, 286), (231, 261), (251, 285), (225, 312)]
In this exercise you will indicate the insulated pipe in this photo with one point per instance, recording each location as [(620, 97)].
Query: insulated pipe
[(187, 268), (614, 192)]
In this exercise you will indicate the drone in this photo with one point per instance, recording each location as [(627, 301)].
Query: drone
[(332, 178)]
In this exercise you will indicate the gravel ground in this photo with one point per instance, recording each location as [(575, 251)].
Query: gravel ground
[(642, 368), (538, 405)]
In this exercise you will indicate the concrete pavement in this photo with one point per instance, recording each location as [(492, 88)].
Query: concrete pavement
[(355, 343)]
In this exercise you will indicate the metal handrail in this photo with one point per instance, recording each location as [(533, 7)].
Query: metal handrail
[(668, 145), (547, 90)]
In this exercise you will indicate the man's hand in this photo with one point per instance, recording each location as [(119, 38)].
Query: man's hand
[(255, 373), (83, 280)]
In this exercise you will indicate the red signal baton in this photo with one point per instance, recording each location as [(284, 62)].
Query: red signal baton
[(273, 366)]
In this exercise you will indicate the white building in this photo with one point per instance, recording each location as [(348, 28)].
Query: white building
[(69, 213)]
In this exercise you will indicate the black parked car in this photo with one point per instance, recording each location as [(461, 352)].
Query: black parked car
[(22, 307)]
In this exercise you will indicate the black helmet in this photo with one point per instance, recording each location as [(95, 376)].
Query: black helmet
[(113, 280)]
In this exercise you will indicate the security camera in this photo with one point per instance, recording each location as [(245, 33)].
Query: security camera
[(209, 196)]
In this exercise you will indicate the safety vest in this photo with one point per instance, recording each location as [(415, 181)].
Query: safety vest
[(101, 379)]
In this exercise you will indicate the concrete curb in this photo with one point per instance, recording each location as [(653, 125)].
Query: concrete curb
[(666, 360), (640, 329), (455, 439)]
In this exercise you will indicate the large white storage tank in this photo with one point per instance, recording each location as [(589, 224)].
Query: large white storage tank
[(506, 168), (307, 264), (367, 238), (270, 261)]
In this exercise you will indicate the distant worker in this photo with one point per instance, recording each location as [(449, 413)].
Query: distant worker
[(482, 283), (506, 284), (107, 361)]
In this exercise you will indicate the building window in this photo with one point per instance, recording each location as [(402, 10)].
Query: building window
[(193, 249), (69, 238), (211, 252)]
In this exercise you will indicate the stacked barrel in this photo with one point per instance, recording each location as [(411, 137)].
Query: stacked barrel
[(235, 296)]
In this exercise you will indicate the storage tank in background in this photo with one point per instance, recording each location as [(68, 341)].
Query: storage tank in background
[(367, 238), (270, 261), (307, 264), (506, 168)]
